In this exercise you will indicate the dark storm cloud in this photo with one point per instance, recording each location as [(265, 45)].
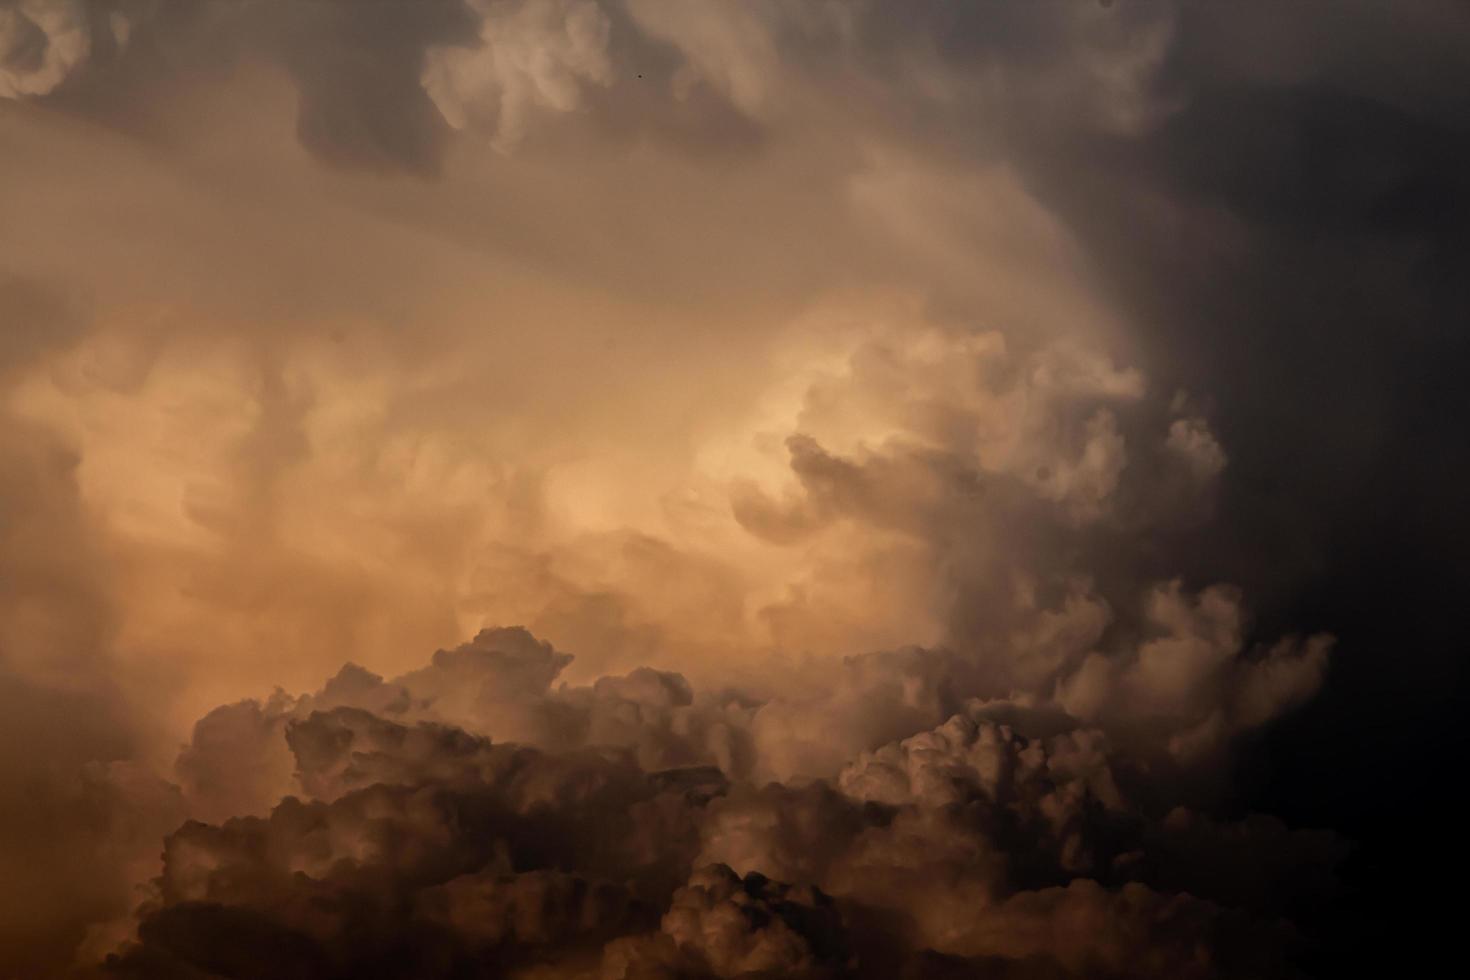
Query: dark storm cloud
[(1279, 200), (999, 839), (1273, 202), (1285, 238), (1292, 239), (1289, 239)]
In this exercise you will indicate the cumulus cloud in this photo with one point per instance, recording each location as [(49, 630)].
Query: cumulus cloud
[(1193, 679), (1002, 833), (444, 847), (1191, 439), (803, 369), (459, 811), (500, 684)]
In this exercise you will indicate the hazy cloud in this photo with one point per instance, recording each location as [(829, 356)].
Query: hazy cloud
[(942, 434)]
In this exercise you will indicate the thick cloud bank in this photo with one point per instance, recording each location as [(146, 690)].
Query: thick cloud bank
[(476, 816)]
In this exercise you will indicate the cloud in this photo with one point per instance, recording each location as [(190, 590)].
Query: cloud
[(355, 66), (418, 845), (1192, 679), (723, 925), (806, 369), (491, 65), (1001, 836), (531, 56), (467, 834), (80, 820), (43, 42)]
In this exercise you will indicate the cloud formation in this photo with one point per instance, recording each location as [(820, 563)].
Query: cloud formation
[(1001, 836), (943, 435)]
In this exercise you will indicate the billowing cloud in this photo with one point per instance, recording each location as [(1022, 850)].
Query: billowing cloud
[(991, 838), (924, 446)]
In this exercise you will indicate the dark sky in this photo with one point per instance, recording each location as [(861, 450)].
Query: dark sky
[(1319, 294)]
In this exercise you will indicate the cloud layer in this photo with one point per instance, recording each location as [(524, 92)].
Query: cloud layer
[(976, 453), (621, 835)]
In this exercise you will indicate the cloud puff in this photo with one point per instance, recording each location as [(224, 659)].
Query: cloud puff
[(534, 55), (42, 42), (1191, 677)]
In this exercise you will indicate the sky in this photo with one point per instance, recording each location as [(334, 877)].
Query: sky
[(684, 488)]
